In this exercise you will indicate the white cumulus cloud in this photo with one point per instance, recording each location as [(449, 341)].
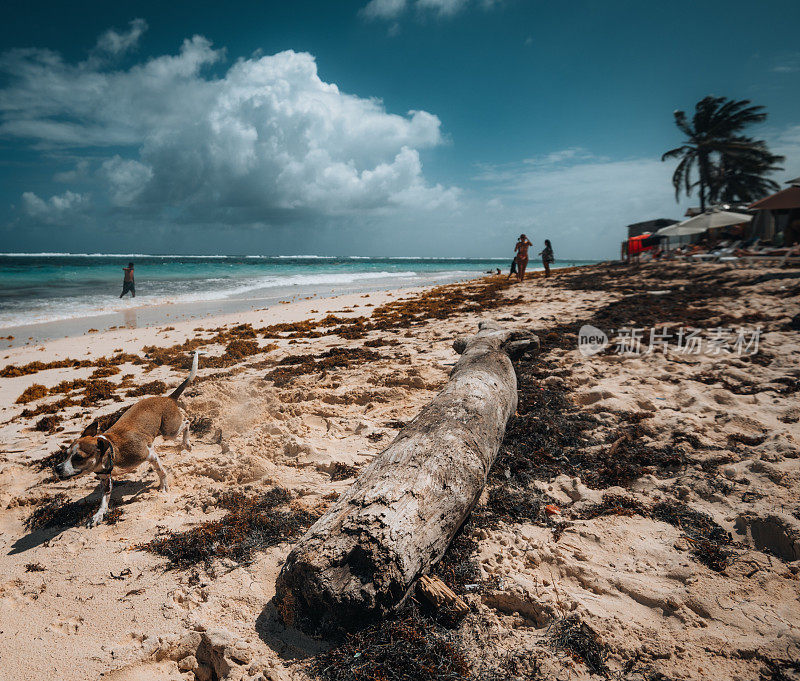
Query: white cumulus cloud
[(55, 209), (267, 135), (126, 179)]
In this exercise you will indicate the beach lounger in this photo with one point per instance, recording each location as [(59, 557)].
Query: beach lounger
[(718, 253), (779, 260)]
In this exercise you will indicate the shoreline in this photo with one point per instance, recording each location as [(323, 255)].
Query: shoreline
[(144, 315)]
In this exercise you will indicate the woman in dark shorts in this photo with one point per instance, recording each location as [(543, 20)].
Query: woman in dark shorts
[(547, 257)]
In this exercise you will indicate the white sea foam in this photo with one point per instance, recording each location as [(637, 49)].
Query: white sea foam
[(112, 255), (249, 257), (306, 257)]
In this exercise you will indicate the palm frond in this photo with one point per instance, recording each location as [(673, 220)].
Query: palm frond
[(677, 151)]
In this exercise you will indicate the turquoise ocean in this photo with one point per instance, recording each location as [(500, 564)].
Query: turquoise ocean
[(38, 288)]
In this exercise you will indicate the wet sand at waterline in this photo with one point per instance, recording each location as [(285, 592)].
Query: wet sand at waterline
[(647, 500)]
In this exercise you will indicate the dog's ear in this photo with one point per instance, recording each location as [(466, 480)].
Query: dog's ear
[(103, 445), (90, 430)]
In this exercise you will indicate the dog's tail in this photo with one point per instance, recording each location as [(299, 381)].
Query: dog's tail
[(179, 390)]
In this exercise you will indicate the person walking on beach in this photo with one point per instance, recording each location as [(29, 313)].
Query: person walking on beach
[(522, 256), (127, 281), (547, 256)]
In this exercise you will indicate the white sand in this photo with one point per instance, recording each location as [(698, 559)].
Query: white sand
[(100, 605)]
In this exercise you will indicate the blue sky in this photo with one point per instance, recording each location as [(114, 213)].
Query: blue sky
[(404, 127)]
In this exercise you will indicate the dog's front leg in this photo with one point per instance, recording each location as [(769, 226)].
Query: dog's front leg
[(101, 512)]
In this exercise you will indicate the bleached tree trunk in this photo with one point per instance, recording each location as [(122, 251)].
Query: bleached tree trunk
[(361, 558)]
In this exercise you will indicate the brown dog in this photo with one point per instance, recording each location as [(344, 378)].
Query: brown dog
[(129, 442)]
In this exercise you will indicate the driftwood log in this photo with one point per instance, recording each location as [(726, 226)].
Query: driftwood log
[(362, 557)]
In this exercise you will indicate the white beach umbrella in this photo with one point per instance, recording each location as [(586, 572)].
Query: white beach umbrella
[(700, 223)]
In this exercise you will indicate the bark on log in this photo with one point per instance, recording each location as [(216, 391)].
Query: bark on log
[(361, 558)]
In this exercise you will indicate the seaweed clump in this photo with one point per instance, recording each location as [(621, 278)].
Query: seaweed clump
[(94, 391), (14, 371), (104, 371), (150, 388), (581, 642), (408, 648), (440, 302), (98, 390), (252, 523), (343, 471), (31, 393), (238, 341), (200, 425), (48, 424), (240, 348), (513, 504), (59, 511), (335, 358), (614, 504), (710, 543)]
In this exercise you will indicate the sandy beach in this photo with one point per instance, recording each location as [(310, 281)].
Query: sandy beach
[(642, 520)]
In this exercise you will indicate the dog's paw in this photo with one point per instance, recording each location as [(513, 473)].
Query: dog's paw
[(96, 519), (163, 487)]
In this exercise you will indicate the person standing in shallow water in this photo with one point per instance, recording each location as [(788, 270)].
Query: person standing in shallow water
[(127, 281), (522, 256), (547, 256)]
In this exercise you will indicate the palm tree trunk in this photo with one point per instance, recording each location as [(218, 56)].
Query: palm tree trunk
[(702, 168)]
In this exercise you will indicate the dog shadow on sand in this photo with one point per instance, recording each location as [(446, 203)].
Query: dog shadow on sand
[(58, 514)]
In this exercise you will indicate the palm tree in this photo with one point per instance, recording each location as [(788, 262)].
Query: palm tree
[(727, 162), (739, 175)]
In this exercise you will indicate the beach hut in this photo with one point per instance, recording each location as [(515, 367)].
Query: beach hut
[(778, 216), (648, 226)]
